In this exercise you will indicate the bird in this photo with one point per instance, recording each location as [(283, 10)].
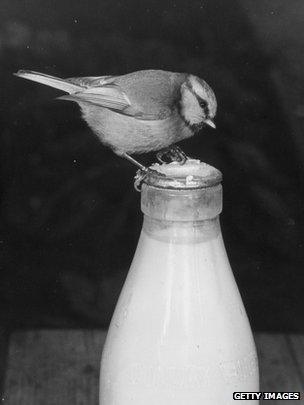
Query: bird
[(139, 112)]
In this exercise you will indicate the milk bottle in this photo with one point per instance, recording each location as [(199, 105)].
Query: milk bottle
[(179, 334)]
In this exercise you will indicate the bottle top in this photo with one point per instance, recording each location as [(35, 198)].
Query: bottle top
[(192, 174), (187, 192)]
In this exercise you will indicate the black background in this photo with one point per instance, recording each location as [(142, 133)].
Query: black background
[(70, 219)]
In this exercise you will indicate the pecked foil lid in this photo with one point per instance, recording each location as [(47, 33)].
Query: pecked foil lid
[(190, 175)]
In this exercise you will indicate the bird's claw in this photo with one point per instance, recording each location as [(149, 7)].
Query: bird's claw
[(141, 176), (172, 154)]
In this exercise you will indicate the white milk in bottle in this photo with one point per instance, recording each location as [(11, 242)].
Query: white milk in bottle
[(179, 334)]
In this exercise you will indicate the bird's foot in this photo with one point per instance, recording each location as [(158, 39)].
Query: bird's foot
[(172, 154), (141, 176), (142, 173)]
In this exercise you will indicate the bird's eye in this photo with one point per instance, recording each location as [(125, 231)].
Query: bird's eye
[(203, 104)]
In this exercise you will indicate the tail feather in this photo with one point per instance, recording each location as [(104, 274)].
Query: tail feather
[(52, 81)]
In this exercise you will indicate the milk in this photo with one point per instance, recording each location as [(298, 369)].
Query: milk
[(179, 334)]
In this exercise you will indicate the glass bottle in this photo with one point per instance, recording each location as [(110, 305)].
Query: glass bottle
[(179, 334)]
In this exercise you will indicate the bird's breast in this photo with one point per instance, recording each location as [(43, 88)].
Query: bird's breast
[(127, 134)]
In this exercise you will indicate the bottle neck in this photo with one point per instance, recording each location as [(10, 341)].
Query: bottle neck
[(186, 232), (184, 205)]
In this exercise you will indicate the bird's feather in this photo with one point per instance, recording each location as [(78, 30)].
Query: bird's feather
[(51, 81), (111, 97), (91, 81), (104, 96)]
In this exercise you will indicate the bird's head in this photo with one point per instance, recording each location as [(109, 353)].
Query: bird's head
[(198, 103)]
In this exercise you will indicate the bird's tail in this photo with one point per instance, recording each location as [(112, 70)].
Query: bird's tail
[(52, 81)]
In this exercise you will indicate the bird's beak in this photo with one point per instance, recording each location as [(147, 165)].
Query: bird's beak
[(210, 123)]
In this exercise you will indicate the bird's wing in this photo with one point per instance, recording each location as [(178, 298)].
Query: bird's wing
[(104, 96), (111, 96), (144, 95), (70, 85), (91, 81), (151, 94)]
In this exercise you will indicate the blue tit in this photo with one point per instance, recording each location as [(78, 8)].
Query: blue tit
[(139, 112)]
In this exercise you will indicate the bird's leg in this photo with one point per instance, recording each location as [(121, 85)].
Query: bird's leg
[(172, 154), (135, 162), (141, 167), (141, 173)]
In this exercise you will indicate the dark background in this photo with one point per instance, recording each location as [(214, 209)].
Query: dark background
[(70, 218)]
